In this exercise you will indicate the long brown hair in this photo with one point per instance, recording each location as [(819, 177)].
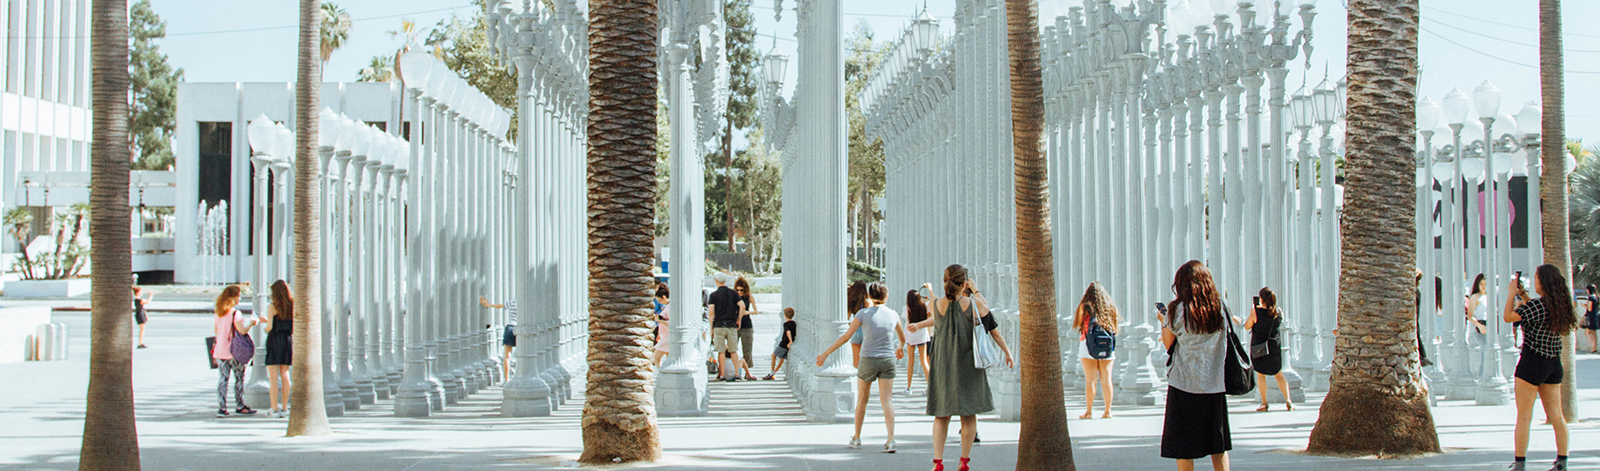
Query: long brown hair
[(1096, 306), (282, 301), (1269, 300), (742, 284), (1559, 298), (916, 310), (855, 297), (1194, 288), (228, 299), (955, 276)]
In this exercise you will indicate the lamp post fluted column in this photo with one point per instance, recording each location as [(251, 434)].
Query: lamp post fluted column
[(332, 397), (526, 394)]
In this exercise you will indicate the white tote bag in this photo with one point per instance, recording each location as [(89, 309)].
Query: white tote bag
[(985, 353)]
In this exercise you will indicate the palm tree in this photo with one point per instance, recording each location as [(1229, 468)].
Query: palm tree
[(1553, 165), (380, 69), (110, 435), (307, 414), (1584, 217), (335, 29), (1376, 401), (1044, 442), (619, 418)]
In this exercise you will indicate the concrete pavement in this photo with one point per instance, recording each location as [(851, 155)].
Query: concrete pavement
[(751, 425)]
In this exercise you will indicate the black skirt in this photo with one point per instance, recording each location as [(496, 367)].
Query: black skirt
[(1196, 425), (279, 349), (1270, 364)]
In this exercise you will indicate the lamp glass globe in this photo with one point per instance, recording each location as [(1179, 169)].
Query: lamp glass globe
[(260, 132)]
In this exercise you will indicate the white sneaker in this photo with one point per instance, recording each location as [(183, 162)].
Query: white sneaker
[(889, 447), (855, 443)]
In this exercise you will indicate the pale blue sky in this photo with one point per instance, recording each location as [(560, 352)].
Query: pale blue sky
[(1458, 39)]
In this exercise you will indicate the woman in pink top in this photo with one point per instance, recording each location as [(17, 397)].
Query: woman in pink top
[(228, 322)]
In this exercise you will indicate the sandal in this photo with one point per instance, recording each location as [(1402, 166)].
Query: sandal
[(938, 465), (1288, 406), (1087, 415), (1263, 408), (964, 461), (244, 411), (1106, 415)]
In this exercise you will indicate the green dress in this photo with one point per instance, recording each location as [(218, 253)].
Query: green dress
[(955, 387)]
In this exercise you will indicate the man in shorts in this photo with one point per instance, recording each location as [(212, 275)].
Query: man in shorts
[(724, 315)]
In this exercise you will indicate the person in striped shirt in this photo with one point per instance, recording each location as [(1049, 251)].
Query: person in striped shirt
[(509, 338)]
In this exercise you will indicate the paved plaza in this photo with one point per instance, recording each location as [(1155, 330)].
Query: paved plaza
[(750, 425)]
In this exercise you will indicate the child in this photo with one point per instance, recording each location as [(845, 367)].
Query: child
[(877, 358), (781, 353)]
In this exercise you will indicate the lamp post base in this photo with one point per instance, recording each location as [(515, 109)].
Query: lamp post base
[(682, 393), (526, 397), (831, 398)]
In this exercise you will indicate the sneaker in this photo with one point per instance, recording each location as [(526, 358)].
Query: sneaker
[(1559, 466), (222, 412), (855, 443), (142, 346), (1518, 466), (889, 447), (245, 411)]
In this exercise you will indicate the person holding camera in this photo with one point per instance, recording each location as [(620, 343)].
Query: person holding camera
[(1545, 321)]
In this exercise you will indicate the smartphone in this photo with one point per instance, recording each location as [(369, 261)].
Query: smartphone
[(1257, 302), (1161, 308), (1518, 279)]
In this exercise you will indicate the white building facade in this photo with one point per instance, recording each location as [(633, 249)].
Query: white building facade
[(213, 164)]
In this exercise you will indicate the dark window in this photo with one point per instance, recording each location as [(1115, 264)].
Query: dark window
[(216, 165), (381, 125), (405, 130)]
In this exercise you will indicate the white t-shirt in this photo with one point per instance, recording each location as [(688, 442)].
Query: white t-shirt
[(921, 336)]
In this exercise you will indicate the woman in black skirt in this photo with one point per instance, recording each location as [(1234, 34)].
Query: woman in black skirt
[(1264, 326), (280, 353), (1196, 422)]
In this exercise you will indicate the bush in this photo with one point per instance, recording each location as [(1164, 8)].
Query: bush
[(70, 255), (860, 271)]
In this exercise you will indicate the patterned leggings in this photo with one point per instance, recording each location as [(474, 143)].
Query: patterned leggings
[(224, 368)]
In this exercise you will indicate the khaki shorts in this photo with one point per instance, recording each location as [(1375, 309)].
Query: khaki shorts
[(873, 369), (725, 340)]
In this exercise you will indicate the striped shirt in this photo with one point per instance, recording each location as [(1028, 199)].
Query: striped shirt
[(511, 312)]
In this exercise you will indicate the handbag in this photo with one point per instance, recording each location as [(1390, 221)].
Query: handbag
[(211, 348), (985, 353), (242, 347), (1238, 379), (1265, 348)]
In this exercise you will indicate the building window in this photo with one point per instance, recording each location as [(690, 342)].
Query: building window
[(381, 125), (12, 44), (216, 162)]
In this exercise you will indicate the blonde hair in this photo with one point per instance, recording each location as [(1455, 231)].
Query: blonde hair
[(228, 300), (1096, 305)]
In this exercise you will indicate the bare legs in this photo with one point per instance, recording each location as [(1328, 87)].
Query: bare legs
[(1096, 371), (914, 356), (505, 363), (885, 387), (1550, 396), (141, 334), (863, 389), (278, 387), (941, 430), (1219, 462), (1593, 347)]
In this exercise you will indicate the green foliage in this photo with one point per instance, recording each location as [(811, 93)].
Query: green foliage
[(380, 69), (70, 255), (335, 30), (743, 62), (663, 165), (463, 45), (867, 177), (153, 91), (1583, 223), (859, 271)]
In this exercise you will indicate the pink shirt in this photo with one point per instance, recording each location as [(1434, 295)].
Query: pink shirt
[(223, 329)]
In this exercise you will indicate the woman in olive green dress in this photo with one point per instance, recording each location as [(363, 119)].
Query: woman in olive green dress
[(956, 388)]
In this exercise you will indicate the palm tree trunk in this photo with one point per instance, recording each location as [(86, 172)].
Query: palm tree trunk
[(1376, 401), (307, 414), (110, 434), (619, 420), (1553, 176), (1044, 442)]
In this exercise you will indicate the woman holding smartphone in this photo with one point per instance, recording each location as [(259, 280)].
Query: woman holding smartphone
[(1546, 321)]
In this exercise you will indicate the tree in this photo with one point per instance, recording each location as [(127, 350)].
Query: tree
[(463, 46), (741, 113), (335, 30), (1552, 175), (619, 419), (1584, 225), (308, 415), (153, 114), (866, 179), (1376, 401), (110, 433), (380, 69), (757, 199), (1044, 442)]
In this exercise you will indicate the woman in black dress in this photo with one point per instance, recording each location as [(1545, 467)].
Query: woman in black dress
[(280, 353), (1264, 325)]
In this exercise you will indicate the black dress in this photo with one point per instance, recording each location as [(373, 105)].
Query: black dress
[(1265, 330), (280, 350)]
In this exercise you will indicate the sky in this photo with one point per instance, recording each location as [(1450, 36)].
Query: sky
[(1463, 42)]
